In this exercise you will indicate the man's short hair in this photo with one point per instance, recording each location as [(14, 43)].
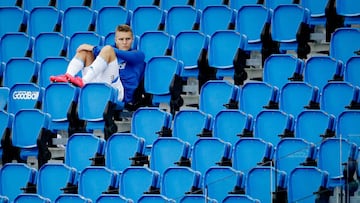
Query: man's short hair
[(123, 28)]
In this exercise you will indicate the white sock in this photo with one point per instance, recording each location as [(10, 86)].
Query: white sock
[(75, 65), (96, 67)]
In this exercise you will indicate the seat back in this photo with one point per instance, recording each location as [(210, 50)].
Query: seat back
[(120, 148), (154, 198), (352, 71), (199, 121), (43, 19), (311, 180), (13, 177), (24, 65), (239, 198), (254, 96), (109, 17), (312, 125), (15, 44), (29, 198), (178, 180), (270, 180), (251, 21), (214, 94), (108, 198), (95, 180), (293, 152), (166, 152), (280, 68), (29, 5), (65, 4), (133, 4), (18, 20), (203, 4), (81, 148), (295, 97), (346, 126), (209, 151), (49, 44), (335, 97), (196, 198), (181, 18), (155, 43), (188, 47), (49, 67), (52, 177), (319, 70), (77, 19), (147, 121), (221, 180), (24, 96), (216, 17), (349, 10), (272, 125), (168, 4), (274, 3), (259, 149), (223, 46), (135, 181), (82, 37), (154, 15), (75, 198), (231, 124), (343, 43), (317, 11)]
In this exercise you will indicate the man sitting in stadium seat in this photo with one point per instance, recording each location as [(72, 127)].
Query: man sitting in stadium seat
[(118, 65)]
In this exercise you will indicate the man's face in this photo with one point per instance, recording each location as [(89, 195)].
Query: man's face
[(123, 40)]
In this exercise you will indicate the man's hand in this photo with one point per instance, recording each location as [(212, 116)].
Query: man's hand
[(85, 47)]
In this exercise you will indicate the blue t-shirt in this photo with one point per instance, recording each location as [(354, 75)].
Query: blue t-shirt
[(131, 70)]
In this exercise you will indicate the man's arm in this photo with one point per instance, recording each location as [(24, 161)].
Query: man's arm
[(132, 56)]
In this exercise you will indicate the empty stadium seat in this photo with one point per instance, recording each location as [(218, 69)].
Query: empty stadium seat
[(79, 38), (9, 3), (293, 152), (18, 22), (52, 178), (351, 71), (346, 126), (65, 4), (122, 149), (63, 114), (109, 17), (314, 126), (51, 66), (82, 149), (97, 5), (319, 70), (208, 152), (196, 198), (296, 97), (147, 122), (273, 125), (104, 198), (313, 181), (200, 122), (280, 69), (188, 47), (14, 177), (274, 3), (215, 94), (260, 150), (317, 11), (203, 4), (223, 54), (343, 43), (133, 4), (24, 96), (219, 181), (168, 4), (29, 5), (159, 74), (77, 19), (167, 152), (155, 43), (96, 180), (232, 124), (349, 10), (153, 198), (44, 19), (272, 181), (336, 156), (179, 180), (24, 65), (49, 44), (256, 96), (216, 17), (288, 22), (15, 44), (181, 18), (137, 180), (75, 198), (155, 19), (239, 198)]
